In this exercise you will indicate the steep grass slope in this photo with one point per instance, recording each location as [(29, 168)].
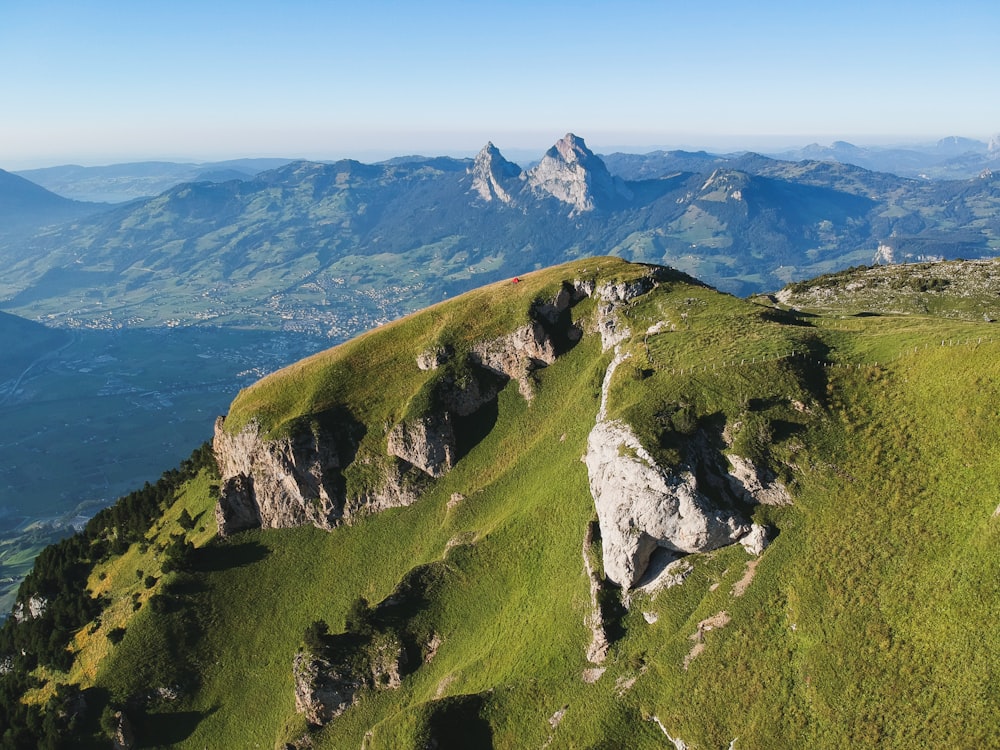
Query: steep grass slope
[(866, 622)]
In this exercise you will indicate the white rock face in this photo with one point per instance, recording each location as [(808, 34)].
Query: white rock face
[(493, 177), (757, 540), (751, 485), (993, 149), (573, 174), (642, 506), (611, 296), (884, 254), (427, 443), (34, 610)]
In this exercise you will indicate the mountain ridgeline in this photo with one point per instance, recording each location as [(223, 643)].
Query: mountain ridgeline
[(598, 505), (337, 248)]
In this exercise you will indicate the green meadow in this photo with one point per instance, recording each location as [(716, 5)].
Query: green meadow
[(867, 622)]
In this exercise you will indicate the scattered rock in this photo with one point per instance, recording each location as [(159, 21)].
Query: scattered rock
[(455, 499), (755, 485), (443, 686), (718, 620), (427, 442), (624, 684), (557, 717), (434, 358), (756, 541), (592, 675), (35, 608), (122, 734), (741, 586)]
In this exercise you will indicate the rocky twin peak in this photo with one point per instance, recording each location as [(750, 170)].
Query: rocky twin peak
[(574, 174), (569, 172)]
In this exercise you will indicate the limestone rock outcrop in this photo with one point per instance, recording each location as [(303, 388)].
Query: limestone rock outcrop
[(753, 485), (322, 692), (493, 177), (427, 443), (325, 688), (298, 479), (278, 483), (642, 506), (573, 174), (34, 609)]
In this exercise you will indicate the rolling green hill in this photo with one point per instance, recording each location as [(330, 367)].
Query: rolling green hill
[(784, 534)]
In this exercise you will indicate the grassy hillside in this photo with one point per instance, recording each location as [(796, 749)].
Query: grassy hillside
[(864, 623)]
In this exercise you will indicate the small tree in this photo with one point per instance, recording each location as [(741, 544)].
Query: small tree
[(360, 617), (315, 636), (185, 520)]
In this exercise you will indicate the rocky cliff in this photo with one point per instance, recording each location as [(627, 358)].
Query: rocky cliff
[(298, 479), (493, 177), (573, 174)]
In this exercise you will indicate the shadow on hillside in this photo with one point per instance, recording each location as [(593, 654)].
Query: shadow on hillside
[(169, 728), (457, 723), (472, 429), (218, 557)]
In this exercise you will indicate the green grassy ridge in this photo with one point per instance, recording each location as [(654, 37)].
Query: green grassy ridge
[(866, 621), (963, 289)]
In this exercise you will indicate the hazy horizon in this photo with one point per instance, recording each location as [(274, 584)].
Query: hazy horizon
[(517, 152), (118, 82)]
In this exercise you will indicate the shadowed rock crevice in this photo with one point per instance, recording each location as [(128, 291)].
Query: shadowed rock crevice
[(379, 647), (288, 481)]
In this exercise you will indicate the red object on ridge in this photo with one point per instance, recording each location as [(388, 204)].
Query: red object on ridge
[(516, 280)]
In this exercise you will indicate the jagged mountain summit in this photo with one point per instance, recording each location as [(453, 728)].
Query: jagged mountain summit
[(573, 174), (603, 505), (493, 177)]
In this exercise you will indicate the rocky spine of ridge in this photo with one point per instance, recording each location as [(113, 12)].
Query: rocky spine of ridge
[(297, 480), (643, 506), (493, 177), (573, 174)]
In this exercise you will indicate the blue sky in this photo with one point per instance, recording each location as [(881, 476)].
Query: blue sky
[(103, 81)]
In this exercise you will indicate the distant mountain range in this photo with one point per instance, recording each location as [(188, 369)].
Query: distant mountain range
[(118, 183), (26, 207), (949, 158), (336, 248)]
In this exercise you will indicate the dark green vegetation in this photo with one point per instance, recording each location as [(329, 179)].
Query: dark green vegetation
[(867, 622), (55, 603), (341, 247)]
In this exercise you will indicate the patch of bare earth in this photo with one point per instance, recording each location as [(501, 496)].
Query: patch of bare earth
[(716, 621), (741, 586)]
